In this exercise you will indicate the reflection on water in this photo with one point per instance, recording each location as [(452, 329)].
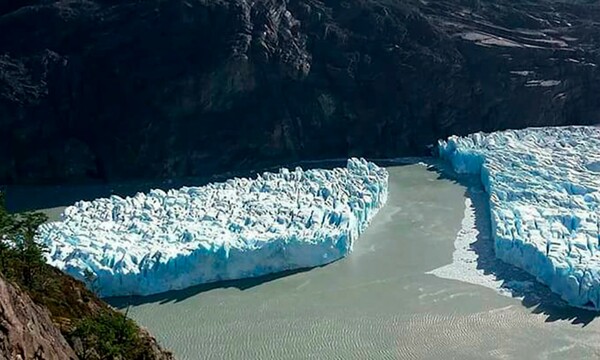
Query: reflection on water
[(381, 302)]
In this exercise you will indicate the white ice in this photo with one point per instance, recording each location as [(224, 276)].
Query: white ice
[(161, 241), (544, 197)]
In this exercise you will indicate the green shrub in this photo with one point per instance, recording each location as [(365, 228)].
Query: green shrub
[(107, 336), (21, 256)]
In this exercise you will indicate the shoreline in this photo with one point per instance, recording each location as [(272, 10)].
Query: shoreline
[(21, 198)]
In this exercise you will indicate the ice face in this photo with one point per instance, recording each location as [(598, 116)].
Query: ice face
[(544, 191), (160, 241)]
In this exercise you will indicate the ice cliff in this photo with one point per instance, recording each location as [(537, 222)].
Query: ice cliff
[(544, 190), (160, 241)]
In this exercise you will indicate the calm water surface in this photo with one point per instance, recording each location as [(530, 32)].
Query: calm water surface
[(379, 303)]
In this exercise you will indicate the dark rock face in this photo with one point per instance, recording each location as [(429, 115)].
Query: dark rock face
[(26, 330), (106, 89), (34, 324)]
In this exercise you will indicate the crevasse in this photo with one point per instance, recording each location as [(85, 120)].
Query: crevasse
[(544, 191), (161, 241)]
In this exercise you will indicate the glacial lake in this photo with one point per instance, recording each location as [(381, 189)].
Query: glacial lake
[(422, 283)]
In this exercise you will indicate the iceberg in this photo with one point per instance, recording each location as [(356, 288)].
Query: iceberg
[(544, 197), (168, 240)]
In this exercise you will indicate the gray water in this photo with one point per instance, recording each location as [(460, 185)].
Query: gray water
[(381, 302), (378, 303)]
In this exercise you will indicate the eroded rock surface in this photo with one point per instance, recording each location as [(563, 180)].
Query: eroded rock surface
[(26, 330), (103, 89)]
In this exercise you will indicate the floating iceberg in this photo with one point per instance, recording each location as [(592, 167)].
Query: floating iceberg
[(161, 241), (544, 190)]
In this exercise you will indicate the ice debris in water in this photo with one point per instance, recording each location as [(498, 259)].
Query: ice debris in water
[(160, 241), (544, 191)]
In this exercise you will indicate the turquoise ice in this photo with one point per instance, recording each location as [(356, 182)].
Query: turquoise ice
[(544, 190), (161, 241)]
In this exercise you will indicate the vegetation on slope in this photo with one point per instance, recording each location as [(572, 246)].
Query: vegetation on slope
[(92, 328)]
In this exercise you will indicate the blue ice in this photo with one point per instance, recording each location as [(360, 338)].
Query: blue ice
[(160, 241), (544, 191)]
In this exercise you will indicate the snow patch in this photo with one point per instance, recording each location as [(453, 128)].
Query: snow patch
[(464, 258)]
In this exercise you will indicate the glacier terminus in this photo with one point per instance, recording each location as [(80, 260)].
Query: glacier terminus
[(544, 196), (160, 241)]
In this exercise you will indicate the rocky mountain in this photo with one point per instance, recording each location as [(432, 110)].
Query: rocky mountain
[(26, 330), (107, 89), (38, 325)]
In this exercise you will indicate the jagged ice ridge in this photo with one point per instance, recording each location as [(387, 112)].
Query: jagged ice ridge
[(544, 190), (161, 241)]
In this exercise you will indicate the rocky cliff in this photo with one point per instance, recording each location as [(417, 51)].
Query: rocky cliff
[(33, 324), (106, 89), (26, 330)]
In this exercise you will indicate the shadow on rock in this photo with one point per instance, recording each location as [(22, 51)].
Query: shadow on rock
[(514, 281)]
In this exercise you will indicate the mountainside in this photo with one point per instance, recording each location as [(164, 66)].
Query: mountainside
[(26, 330), (108, 89), (34, 324)]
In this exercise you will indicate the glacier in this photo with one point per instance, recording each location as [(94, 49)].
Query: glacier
[(544, 198), (168, 240)]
